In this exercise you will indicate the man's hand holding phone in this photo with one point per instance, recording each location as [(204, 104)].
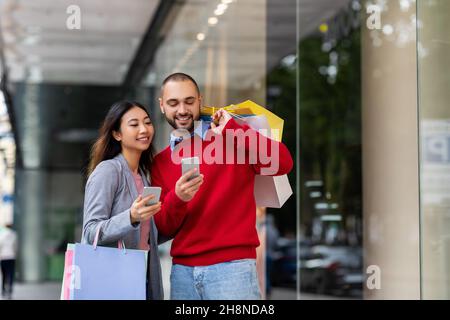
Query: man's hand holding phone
[(186, 187)]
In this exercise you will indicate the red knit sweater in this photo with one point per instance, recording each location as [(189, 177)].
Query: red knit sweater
[(219, 223)]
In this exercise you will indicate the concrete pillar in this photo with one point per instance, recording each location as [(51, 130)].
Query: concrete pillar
[(390, 154), (29, 210)]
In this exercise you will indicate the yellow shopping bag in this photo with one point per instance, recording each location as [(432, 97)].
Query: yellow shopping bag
[(249, 108)]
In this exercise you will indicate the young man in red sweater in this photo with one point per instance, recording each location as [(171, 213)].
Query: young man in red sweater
[(213, 218)]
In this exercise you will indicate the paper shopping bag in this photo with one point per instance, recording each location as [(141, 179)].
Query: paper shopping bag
[(246, 109), (67, 276), (270, 191), (104, 273)]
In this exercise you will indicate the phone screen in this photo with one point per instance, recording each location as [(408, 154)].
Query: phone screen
[(190, 163), (152, 190)]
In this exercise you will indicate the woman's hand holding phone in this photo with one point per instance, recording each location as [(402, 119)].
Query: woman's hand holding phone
[(140, 212)]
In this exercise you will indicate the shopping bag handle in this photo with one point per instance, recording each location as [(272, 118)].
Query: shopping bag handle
[(97, 234), (120, 244)]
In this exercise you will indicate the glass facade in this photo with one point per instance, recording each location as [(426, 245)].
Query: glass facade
[(359, 213), (434, 124), (330, 155)]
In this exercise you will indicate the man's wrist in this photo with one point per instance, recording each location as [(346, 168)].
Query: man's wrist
[(178, 201)]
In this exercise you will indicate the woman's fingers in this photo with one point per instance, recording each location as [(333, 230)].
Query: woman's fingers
[(136, 203), (140, 203), (150, 207), (138, 199), (146, 200), (149, 211)]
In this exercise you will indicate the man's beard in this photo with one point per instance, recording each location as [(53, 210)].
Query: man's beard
[(174, 125)]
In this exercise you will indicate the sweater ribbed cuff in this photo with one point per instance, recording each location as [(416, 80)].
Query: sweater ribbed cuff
[(174, 200)]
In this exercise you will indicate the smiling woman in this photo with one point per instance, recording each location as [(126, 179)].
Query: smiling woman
[(121, 123), (119, 168)]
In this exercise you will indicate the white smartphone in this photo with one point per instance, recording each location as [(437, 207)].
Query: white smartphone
[(156, 191), (190, 163)]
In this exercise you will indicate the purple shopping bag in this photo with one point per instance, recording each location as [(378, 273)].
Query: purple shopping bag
[(104, 273)]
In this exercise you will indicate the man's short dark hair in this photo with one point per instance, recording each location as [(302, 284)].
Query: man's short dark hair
[(179, 76)]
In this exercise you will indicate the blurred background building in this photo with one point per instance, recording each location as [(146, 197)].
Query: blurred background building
[(361, 84)]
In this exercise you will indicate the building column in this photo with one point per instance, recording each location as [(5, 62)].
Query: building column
[(390, 155), (29, 211)]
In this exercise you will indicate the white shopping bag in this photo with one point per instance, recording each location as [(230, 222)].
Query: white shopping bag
[(270, 191)]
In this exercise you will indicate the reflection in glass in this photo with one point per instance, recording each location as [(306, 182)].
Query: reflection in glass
[(434, 112), (330, 157)]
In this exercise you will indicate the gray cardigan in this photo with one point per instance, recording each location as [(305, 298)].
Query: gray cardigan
[(109, 195)]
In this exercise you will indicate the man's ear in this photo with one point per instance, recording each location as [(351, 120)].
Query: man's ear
[(116, 135), (161, 105)]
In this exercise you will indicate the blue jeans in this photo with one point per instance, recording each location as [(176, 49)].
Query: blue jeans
[(233, 280)]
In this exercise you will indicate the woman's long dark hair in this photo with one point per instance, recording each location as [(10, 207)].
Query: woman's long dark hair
[(106, 147)]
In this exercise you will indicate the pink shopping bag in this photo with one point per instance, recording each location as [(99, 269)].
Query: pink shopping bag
[(67, 277)]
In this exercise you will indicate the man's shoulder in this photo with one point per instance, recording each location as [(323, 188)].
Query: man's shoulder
[(162, 155)]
